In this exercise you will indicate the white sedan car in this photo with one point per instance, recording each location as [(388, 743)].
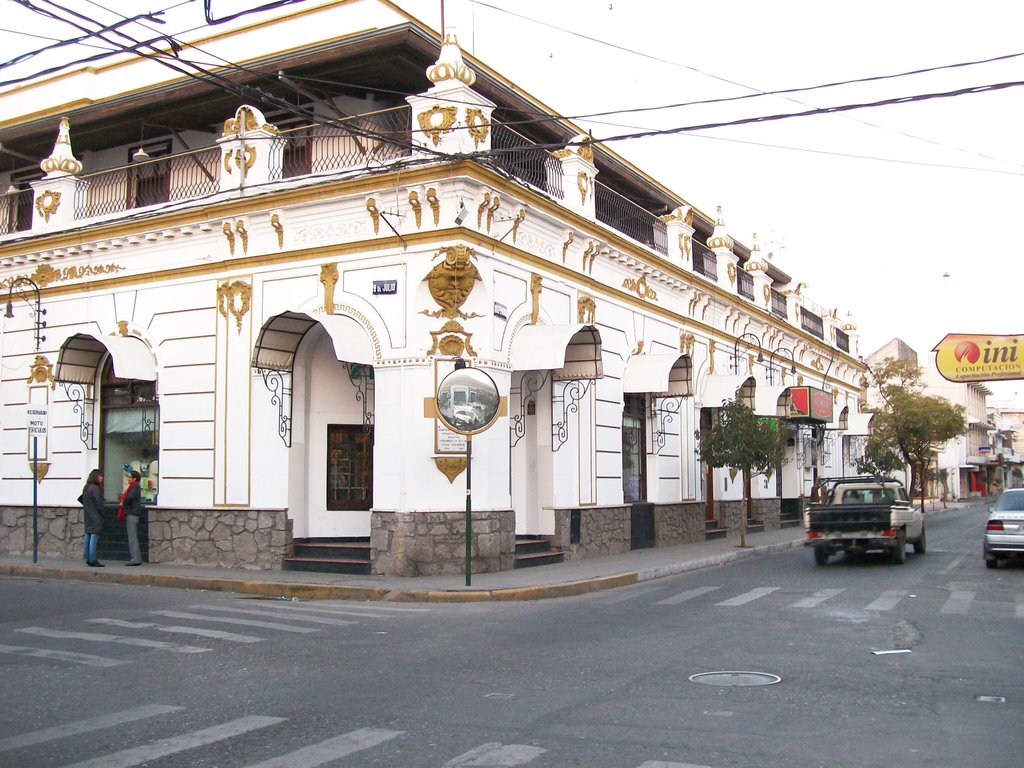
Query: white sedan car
[(1004, 532)]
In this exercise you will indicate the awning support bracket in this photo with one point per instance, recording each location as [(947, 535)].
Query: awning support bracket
[(530, 383), (665, 410), (84, 405), (361, 377), (279, 384), (567, 402)]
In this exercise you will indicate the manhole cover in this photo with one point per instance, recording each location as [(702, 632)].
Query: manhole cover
[(735, 678)]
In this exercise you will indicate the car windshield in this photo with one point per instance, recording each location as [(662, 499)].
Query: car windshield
[(1011, 502)]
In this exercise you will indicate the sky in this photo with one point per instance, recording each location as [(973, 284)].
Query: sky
[(908, 216)]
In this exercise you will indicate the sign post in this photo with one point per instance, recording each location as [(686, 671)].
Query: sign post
[(468, 403), (37, 420)]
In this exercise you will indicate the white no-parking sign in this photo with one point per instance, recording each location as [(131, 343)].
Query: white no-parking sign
[(37, 419)]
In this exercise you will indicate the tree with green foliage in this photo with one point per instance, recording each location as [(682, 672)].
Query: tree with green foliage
[(909, 422), (740, 439)]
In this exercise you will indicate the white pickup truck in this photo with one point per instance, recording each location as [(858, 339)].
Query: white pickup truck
[(859, 514)]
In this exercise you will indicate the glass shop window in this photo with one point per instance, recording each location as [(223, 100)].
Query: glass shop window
[(349, 467), (130, 435), (634, 442)]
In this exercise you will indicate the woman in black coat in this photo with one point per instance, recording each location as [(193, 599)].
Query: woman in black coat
[(92, 503), (131, 503)]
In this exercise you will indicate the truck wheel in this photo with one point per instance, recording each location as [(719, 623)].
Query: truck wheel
[(898, 554), (821, 556), (921, 545)]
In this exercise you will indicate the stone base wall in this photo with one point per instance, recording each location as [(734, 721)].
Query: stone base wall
[(225, 537), (235, 538), (680, 523), (60, 531), (603, 531), (434, 543), (768, 510)]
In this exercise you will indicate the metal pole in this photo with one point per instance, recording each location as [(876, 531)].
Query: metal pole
[(35, 499), (469, 510)]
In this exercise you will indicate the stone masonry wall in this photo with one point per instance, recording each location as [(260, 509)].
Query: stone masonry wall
[(434, 543), (60, 531), (681, 523), (603, 531), (225, 537)]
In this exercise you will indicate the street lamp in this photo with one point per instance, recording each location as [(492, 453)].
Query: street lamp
[(736, 346), (37, 310), (771, 361)]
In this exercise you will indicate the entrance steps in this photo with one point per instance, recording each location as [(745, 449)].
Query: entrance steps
[(329, 556), (536, 550)]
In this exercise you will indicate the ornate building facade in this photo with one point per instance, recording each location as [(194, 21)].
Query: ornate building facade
[(252, 302)]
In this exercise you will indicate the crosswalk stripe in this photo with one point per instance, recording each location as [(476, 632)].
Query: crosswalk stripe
[(365, 613), (215, 634), (958, 602), (84, 726), (331, 749), (631, 593), (663, 764), (240, 622), (272, 615), (748, 597), (888, 600), (689, 594), (128, 758), (816, 599), (497, 755), (75, 658), (96, 637)]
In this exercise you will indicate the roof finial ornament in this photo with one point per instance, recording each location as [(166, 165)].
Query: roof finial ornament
[(449, 65), (61, 161), (720, 237)]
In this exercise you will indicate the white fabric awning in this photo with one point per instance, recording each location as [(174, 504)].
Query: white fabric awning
[(717, 389), (281, 335), (859, 423), (80, 357), (669, 375), (766, 400), (570, 351)]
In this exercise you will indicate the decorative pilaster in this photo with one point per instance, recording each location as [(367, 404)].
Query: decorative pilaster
[(722, 244), (247, 150), (451, 118), (54, 206), (578, 175), (679, 230)]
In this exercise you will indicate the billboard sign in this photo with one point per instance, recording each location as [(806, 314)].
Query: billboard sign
[(810, 403), (964, 357)]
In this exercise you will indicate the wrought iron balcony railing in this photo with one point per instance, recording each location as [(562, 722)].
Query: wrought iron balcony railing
[(519, 157), (627, 217), (16, 211)]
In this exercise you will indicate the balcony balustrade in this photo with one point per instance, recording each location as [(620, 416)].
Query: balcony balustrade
[(16, 211), (627, 217)]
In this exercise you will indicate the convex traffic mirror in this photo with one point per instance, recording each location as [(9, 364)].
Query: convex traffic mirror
[(467, 401)]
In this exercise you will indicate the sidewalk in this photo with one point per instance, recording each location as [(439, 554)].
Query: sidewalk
[(546, 581)]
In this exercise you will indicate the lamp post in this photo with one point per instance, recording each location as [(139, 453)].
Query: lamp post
[(736, 346), (771, 361), (37, 310)]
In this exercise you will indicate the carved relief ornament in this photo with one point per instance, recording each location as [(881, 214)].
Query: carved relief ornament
[(452, 280), (234, 298), (47, 204), (437, 121)]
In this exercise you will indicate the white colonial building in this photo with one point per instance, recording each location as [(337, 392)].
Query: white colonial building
[(249, 289)]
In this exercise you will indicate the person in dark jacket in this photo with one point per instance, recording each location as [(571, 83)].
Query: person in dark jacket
[(131, 503), (92, 503)]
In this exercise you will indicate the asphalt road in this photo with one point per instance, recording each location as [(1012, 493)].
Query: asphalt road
[(896, 665)]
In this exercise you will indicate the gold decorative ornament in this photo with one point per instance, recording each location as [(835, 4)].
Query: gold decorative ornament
[(731, 271), (245, 120), (686, 341), (478, 126), (835, 395), (417, 207), (767, 295), (437, 121), (583, 184), (449, 65), (451, 340), (640, 287), (243, 235), (800, 380), (684, 246), (41, 469), (450, 466), (516, 222), (122, 327), (817, 365), (586, 309), (329, 278), (371, 206), (480, 210), (41, 372), (229, 233), (639, 348), (234, 298), (589, 255), (570, 236), (711, 356), (536, 286), (278, 227), (732, 473), (435, 205), (452, 280), (495, 202), (47, 204), (45, 274), (585, 150), (61, 160)]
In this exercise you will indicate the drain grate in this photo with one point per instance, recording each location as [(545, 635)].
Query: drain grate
[(735, 679)]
